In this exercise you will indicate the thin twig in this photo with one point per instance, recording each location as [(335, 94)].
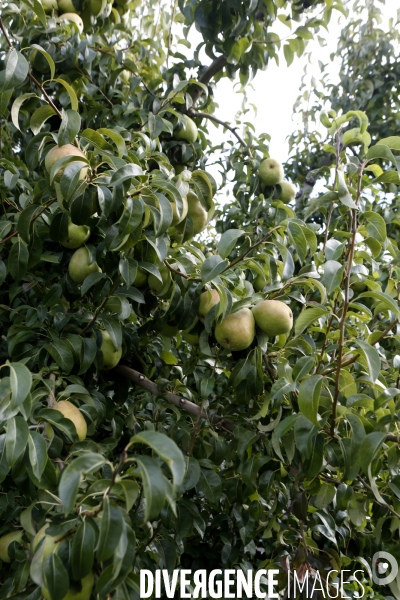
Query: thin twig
[(369, 488), (238, 260), (93, 83), (202, 115)]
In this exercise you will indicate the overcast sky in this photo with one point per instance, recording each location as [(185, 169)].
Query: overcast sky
[(275, 90)]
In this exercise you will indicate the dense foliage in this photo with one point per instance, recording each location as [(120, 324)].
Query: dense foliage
[(130, 437)]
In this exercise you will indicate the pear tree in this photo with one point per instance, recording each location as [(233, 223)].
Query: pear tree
[(197, 370)]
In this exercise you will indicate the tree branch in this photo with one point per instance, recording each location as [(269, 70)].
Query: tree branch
[(217, 65), (202, 115), (238, 260), (190, 407)]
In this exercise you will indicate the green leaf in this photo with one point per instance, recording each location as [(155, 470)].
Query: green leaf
[(343, 192), (82, 552), (392, 142), (154, 486), (70, 91), (72, 476), (372, 359), (37, 453), (21, 382), (167, 450), (375, 225), (18, 102), (238, 48), (62, 354), (90, 281), (15, 72), (16, 439), (228, 241), (116, 138), (129, 171), (369, 448), (111, 527), (128, 268), (55, 577), (307, 317), (39, 118), (57, 419), (384, 299), (333, 274), (69, 128), (382, 151), (212, 267), (18, 260), (97, 140), (308, 399), (46, 55), (325, 495)]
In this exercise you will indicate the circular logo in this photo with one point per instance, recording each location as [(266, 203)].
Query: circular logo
[(381, 573)]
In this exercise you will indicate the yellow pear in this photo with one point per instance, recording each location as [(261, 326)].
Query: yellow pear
[(273, 317), (73, 18), (111, 356), (58, 152), (271, 172), (77, 236), (79, 267), (197, 213), (87, 585), (208, 299), (237, 331), (288, 192), (6, 540), (71, 412), (188, 131)]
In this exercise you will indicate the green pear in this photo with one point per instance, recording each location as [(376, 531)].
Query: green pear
[(197, 213), (237, 331), (73, 18), (259, 283), (175, 217), (6, 540), (160, 288), (208, 299), (188, 131), (288, 192), (49, 544), (111, 356), (79, 267), (87, 585), (67, 6), (49, 5), (141, 278), (58, 152), (273, 317), (192, 335), (77, 236), (96, 7), (271, 172)]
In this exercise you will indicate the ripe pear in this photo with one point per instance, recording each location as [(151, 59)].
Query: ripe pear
[(87, 585), (73, 18), (197, 213), (49, 544), (6, 540), (288, 192), (175, 217), (141, 278), (208, 299), (273, 317), (77, 236), (111, 356), (67, 6), (271, 172), (160, 288), (49, 5), (188, 131), (237, 331), (71, 412), (58, 152), (79, 267)]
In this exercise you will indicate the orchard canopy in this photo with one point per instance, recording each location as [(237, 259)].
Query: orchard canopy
[(199, 347)]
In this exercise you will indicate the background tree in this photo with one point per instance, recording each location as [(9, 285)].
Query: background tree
[(150, 419)]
